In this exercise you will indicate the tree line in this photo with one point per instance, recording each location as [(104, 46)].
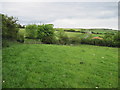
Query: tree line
[(43, 32), (46, 34)]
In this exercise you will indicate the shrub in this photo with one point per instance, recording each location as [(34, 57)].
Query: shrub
[(75, 40), (70, 30), (9, 27), (62, 37), (98, 42), (49, 40), (32, 41), (108, 36), (31, 31), (64, 40), (5, 43), (117, 36), (46, 33), (117, 44), (20, 38), (85, 41)]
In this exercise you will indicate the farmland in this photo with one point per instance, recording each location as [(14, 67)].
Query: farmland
[(80, 36), (41, 56), (59, 66), (72, 34)]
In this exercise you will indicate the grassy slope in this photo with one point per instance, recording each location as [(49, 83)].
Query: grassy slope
[(42, 66), (70, 34), (74, 34)]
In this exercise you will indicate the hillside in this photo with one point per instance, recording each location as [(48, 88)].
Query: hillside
[(59, 66)]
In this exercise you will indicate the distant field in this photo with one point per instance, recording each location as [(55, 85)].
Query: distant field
[(74, 34), (105, 31), (94, 30), (59, 66)]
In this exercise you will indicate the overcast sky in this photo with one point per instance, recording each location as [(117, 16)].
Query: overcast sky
[(65, 14)]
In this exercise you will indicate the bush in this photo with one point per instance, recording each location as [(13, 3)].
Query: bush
[(117, 36), (32, 41), (64, 40), (46, 33), (9, 27), (62, 37), (5, 43), (20, 38), (75, 40), (70, 30), (85, 41), (8, 43), (117, 44), (98, 42), (49, 40), (31, 31)]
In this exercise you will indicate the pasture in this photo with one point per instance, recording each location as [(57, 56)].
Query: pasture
[(79, 34), (59, 66), (37, 55)]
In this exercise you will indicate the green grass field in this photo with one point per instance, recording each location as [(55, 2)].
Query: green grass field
[(73, 34), (77, 34), (81, 35), (59, 66)]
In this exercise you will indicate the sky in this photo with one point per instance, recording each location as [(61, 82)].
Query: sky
[(59, 0), (64, 14)]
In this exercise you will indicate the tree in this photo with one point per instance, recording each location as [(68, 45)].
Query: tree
[(63, 38), (31, 31), (9, 27), (46, 33), (117, 36)]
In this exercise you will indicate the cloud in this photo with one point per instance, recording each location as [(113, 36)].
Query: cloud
[(67, 14), (59, 1), (86, 23)]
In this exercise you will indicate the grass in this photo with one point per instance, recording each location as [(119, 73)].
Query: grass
[(32, 41), (77, 34), (104, 31), (59, 66), (86, 30), (81, 35), (97, 35), (73, 34)]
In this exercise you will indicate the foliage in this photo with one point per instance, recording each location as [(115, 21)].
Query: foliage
[(9, 27), (63, 38), (31, 31), (9, 30), (32, 41), (21, 26), (117, 39), (8, 43), (117, 36), (20, 37), (75, 40), (70, 30), (67, 38), (108, 36), (46, 33)]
